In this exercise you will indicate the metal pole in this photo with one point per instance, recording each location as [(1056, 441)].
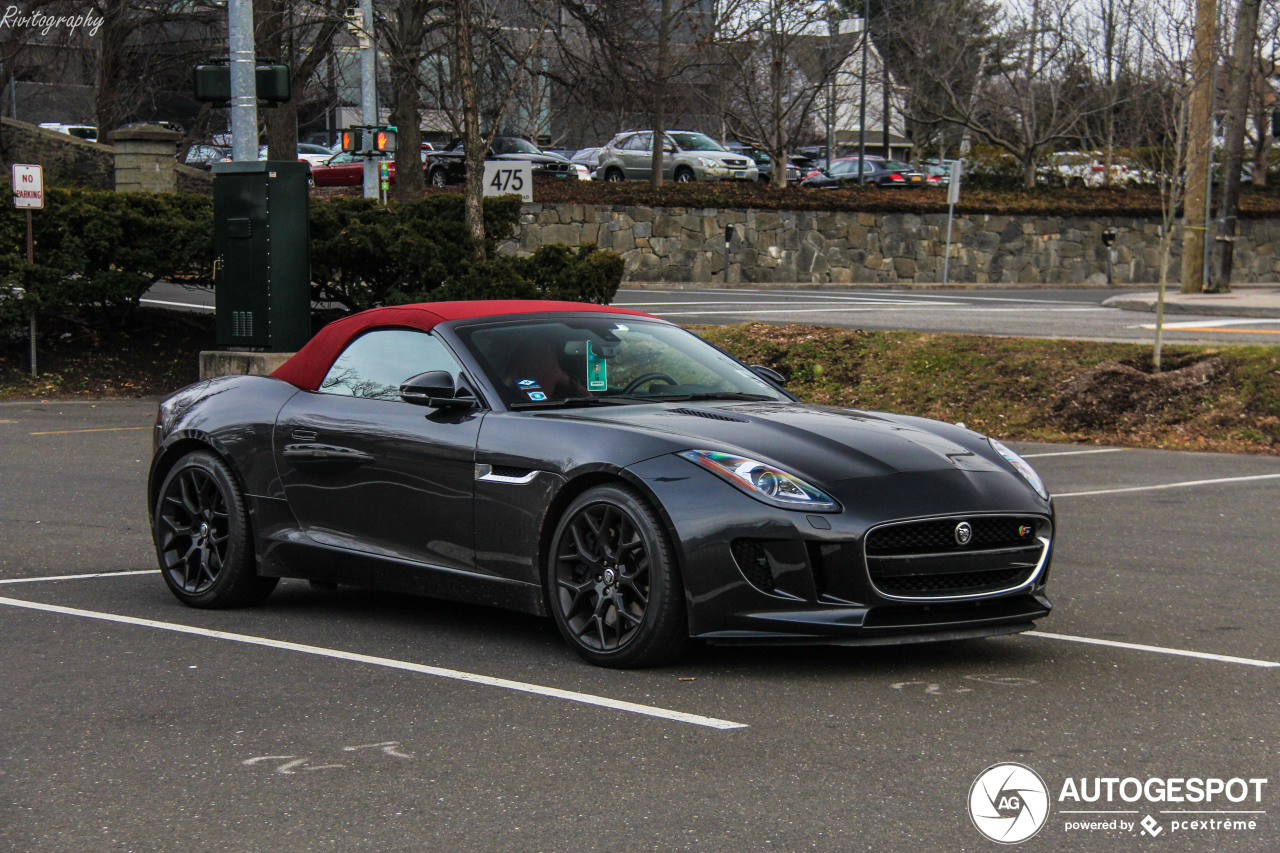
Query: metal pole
[(244, 84), (728, 235), (862, 98), (831, 97), (946, 257), (368, 92), (31, 315)]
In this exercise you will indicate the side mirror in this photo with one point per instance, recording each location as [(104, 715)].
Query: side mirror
[(768, 374), (434, 388)]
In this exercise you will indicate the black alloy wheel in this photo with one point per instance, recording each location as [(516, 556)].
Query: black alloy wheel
[(613, 585), (202, 536), (439, 178), (684, 175)]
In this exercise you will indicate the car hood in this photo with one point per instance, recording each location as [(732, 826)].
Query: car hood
[(820, 443), (534, 158)]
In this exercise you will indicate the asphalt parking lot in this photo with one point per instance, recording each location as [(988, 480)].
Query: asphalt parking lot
[(359, 721)]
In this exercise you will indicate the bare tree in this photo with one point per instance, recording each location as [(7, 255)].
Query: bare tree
[(1164, 113), (480, 59), (781, 66), (1239, 84), (640, 53), (1029, 100), (299, 34)]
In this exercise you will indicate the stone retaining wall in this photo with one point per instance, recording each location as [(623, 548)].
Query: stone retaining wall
[(66, 159), (687, 245)]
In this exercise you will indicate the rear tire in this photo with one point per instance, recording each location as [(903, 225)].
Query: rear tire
[(203, 543), (612, 581), (438, 178)]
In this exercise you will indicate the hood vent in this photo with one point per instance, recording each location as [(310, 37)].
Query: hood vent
[(712, 416)]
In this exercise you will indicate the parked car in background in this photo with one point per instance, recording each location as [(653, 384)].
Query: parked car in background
[(204, 156), (844, 172), (689, 156), (313, 154), (87, 132), (1088, 169), (341, 170), (764, 163), (588, 158), (449, 166)]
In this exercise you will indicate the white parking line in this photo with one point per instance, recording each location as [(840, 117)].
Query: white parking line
[(80, 577), (1072, 452), (869, 308), (1139, 647), (190, 306), (1181, 485), (1202, 324), (439, 672)]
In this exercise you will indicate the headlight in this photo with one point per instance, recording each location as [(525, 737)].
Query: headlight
[(1028, 473), (708, 163), (763, 482)]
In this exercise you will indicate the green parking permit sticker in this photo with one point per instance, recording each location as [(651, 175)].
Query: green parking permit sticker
[(597, 371)]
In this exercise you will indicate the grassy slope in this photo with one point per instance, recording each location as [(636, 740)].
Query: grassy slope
[(1020, 388)]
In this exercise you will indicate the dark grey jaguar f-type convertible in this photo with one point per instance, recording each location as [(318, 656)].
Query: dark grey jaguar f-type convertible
[(600, 466)]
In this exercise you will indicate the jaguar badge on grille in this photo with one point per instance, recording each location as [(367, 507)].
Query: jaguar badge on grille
[(963, 533)]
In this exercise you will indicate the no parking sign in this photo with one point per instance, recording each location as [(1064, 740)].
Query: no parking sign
[(28, 186)]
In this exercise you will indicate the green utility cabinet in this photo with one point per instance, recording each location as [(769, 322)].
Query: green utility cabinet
[(261, 268)]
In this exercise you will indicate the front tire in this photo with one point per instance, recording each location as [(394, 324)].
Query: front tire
[(684, 175), (612, 581), (439, 178), (614, 176), (202, 537)]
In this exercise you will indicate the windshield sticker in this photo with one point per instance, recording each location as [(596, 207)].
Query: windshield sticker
[(528, 384), (537, 396), (597, 371)]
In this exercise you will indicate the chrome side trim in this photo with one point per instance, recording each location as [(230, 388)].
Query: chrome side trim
[(485, 473)]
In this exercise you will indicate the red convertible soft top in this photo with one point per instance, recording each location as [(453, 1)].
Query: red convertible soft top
[(308, 368)]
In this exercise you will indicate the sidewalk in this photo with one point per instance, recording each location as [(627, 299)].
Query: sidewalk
[(1242, 301)]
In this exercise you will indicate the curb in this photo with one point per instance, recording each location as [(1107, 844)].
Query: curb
[(1226, 305)]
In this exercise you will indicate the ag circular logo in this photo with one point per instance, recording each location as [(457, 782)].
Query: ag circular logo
[(1008, 803), (964, 533)]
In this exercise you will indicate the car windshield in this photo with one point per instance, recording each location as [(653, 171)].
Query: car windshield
[(595, 360), (696, 142), (521, 146)]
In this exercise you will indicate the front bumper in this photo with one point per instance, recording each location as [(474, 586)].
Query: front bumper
[(805, 577)]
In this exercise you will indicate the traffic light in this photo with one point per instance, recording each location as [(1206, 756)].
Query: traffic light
[(353, 140), (212, 82), (368, 140), (386, 139)]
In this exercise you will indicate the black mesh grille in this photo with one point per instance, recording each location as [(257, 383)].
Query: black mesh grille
[(508, 471), (754, 563), (939, 535), (962, 583), (714, 416)]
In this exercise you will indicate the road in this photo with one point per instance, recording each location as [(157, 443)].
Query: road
[(1038, 312), (360, 721)]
